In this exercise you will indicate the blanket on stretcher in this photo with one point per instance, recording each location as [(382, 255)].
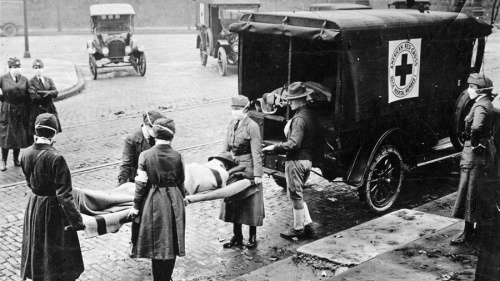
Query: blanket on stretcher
[(104, 211)]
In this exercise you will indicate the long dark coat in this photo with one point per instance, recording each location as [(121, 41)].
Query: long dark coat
[(488, 232), (135, 144), (250, 210), (473, 165), (48, 251), (42, 97), (161, 204), (14, 112)]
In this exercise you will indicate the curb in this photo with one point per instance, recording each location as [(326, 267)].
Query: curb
[(76, 89)]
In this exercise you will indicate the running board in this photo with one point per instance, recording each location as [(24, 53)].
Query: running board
[(443, 150)]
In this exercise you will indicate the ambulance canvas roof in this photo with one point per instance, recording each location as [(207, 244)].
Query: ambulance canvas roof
[(325, 25)]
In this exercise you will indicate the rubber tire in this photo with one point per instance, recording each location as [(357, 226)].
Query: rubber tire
[(203, 56), (462, 108), (210, 41), (93, 69), (141, 64), (9, 30), (391, 153), (222, 61)]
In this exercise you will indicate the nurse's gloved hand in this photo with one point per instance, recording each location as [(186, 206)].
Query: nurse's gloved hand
[(133, 213)]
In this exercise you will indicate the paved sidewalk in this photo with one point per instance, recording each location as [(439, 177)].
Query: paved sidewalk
[(403, 245)]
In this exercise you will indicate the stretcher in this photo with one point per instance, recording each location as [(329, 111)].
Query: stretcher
[(106, 211)]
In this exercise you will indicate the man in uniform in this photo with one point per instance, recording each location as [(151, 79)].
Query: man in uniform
[(136, 142), (301, 132), (473, 172)]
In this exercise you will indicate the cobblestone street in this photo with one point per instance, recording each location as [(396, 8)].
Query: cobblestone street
[(94, 125), (96, 121)]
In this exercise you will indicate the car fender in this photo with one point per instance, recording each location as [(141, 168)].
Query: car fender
[(222, 43), (364, 156)]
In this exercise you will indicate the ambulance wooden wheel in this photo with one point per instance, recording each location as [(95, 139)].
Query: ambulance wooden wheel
[(462, 108), (384, 179)]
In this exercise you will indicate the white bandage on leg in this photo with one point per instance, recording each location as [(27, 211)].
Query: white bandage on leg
[(298, 219), (307, 217)]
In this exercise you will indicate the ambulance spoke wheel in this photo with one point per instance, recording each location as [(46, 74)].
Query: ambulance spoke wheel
[(384, 180)]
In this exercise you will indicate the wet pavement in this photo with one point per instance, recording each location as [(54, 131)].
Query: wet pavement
[(96, 121)]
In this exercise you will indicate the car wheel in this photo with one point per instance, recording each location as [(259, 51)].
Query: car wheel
[(462, 108), (222, 61), (141, 64), (93, 67), (9, 30), (210, 41), (384, 180), (203, 56)]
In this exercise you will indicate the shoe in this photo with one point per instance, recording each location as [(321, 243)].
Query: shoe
[(310, 230), (252, 241), (16, 163), (293, 233), (234, 241), (459, 240), (3, 166)]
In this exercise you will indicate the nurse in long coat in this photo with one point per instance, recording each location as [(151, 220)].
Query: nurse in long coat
[(42, 91), (14, 112), (49, 251), (243, 140), (474, 160), (159, 202)]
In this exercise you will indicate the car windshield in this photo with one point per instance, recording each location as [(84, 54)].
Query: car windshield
[(229, 15), (112, 24)]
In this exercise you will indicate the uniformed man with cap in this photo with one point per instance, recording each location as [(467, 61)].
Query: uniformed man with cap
[(244, 141), (50, 246), (159, 202), (474, 159), (42, 94), (14, 112), (301, 132), (136, 142)]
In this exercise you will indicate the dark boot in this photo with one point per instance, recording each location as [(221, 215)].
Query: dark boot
[(293, 233), (310, 230), (16, 157), (466, 235), (252, 240), (237, 239), (3, 163)]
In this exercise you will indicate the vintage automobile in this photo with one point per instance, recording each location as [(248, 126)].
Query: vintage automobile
[(112, 26), (389, 90), (213, 18), (403, 4), (337, 6), (11, 17)]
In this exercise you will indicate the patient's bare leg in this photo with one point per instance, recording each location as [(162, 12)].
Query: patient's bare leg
[(220, 193)]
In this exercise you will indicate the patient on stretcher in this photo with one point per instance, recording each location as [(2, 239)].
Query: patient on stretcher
[(106, 211)]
